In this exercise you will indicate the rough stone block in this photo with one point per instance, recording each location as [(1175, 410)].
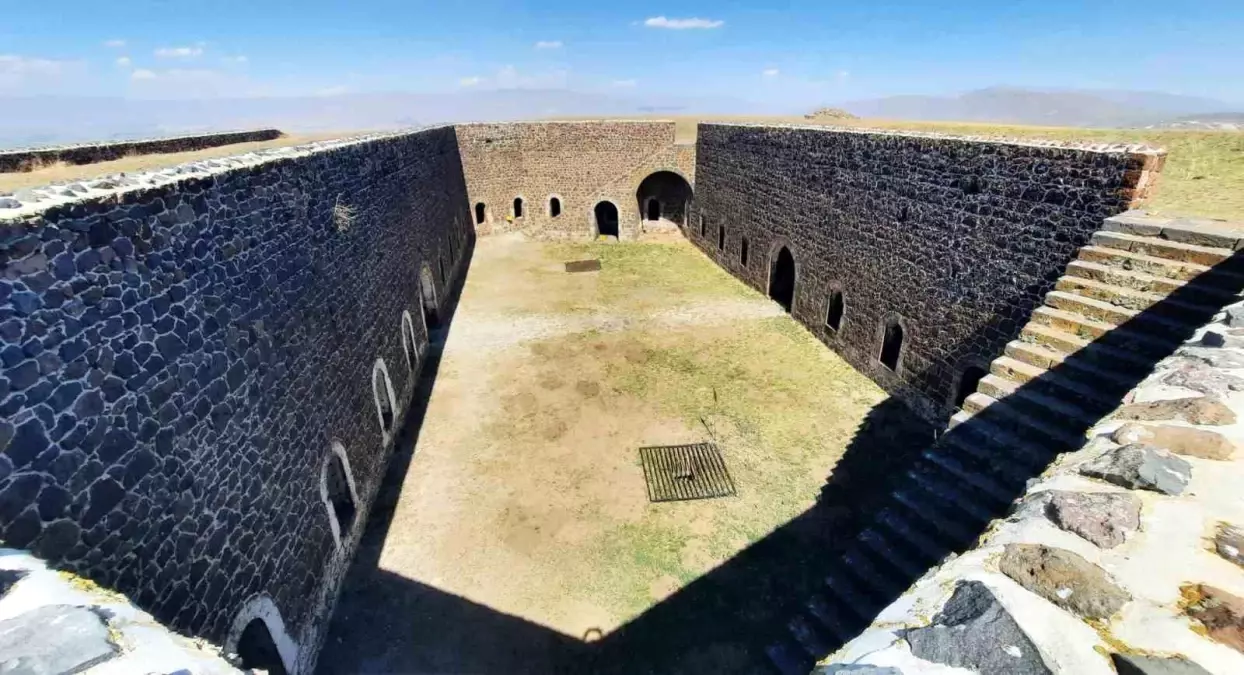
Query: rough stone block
[(1195, 410), (974, 631), (1105, 518), (1190, 441), (1141, 467), (1220, 612), (1063, 578)]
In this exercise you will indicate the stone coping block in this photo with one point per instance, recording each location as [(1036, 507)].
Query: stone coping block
[(1198, 231), (27, 159)]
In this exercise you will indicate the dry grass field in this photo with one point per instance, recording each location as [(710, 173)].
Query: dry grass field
[(60, 172), (525, 493)]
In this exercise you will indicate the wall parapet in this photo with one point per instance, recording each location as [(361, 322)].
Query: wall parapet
[(27, 159)]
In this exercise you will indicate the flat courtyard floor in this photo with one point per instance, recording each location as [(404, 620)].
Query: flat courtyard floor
[(517, 527)]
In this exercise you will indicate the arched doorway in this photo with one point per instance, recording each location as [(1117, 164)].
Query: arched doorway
[(518, 207), (782, 279), (892, 345), (257, 650), (427, 296), (664, 195), (606, 219)]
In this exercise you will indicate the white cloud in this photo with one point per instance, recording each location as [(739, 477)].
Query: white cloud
[(26, 75), (115, 44), (124, 61), (549, 44), (623, 84), (470, 81), (682, 24), (842, 75), (771, 72), (239, 60), (510, 77), (179, 52), (143, 74)]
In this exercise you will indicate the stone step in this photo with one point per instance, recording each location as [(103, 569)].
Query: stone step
[(1162, 248), (1151, 303), (1046, 345), (944, 525), (832, 620), (881, 581), (1051, 409), (847, 591), (1139, 262), (1157, 344), (952, 492), (1116, 315), (1003, 465), (892, 554), (789, 658), (815, 642), (912, 538), (1018, 421), (1065, 383), (990, 488), (1218, 234), (1031, 457), (1197, 292)]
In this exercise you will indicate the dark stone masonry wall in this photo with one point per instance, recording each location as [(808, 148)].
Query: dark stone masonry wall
[(29, 159), (581, 163), (177, 362), (956, 240)]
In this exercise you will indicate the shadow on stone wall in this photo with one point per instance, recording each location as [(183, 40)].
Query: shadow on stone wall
[(723, 621)]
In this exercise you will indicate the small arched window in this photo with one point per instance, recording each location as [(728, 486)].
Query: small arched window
[(833, 315), (479, 212), (258, 636), (409, 342), (743, 252), (338, 493), (386, 400), (968, 381), (518, 207), (555, 207), (892, 345)]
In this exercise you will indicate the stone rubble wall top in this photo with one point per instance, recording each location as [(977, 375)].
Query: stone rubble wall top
[(32, 202)]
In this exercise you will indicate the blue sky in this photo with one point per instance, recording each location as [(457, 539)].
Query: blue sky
[(780, 52)]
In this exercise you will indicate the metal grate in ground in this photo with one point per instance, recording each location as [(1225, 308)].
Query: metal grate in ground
[(583, 266), (680, 472)]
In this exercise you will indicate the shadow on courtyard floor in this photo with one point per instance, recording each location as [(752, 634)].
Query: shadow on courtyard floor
[(722, 621)]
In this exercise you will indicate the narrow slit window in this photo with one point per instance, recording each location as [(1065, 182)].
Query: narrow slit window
[(518, 207), (833, 316), (382, 391), (968, 382), (479, 213), (555, 207), (743, 252), (721, 238), (892, 345)]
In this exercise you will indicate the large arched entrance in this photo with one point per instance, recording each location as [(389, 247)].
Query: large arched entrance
[(782, 279), (664, 195), (606, 219)]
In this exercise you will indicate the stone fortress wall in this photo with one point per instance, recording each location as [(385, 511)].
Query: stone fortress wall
[(954, 240), (580, 163), (27, 159), (194, 369)]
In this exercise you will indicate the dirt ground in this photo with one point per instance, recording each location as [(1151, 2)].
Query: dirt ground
[(524, 500)]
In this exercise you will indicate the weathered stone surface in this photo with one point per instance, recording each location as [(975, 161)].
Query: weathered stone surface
[(975, 631), (1218, 358), (1220, 612), (1229, 542), (1218, 338), (1105, 518), (1063, 578), (1141, 467), (854, 669), (1190, 441), (1235, 316), (23, 159), (1197, 376), (53, 639), (1137, 664), (1194, 410)]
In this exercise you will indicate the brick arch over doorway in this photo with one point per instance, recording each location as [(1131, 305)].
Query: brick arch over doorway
[(664, 195)]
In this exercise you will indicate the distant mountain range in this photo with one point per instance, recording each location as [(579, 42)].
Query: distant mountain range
[(68, 119), (1073, 108)]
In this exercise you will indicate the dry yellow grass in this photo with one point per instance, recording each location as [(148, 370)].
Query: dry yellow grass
[(59, 172)]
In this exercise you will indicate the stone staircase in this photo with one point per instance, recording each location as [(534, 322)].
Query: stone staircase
[(1140, 288)]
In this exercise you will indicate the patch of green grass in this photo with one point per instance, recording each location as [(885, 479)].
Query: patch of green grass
[(647, 275)]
